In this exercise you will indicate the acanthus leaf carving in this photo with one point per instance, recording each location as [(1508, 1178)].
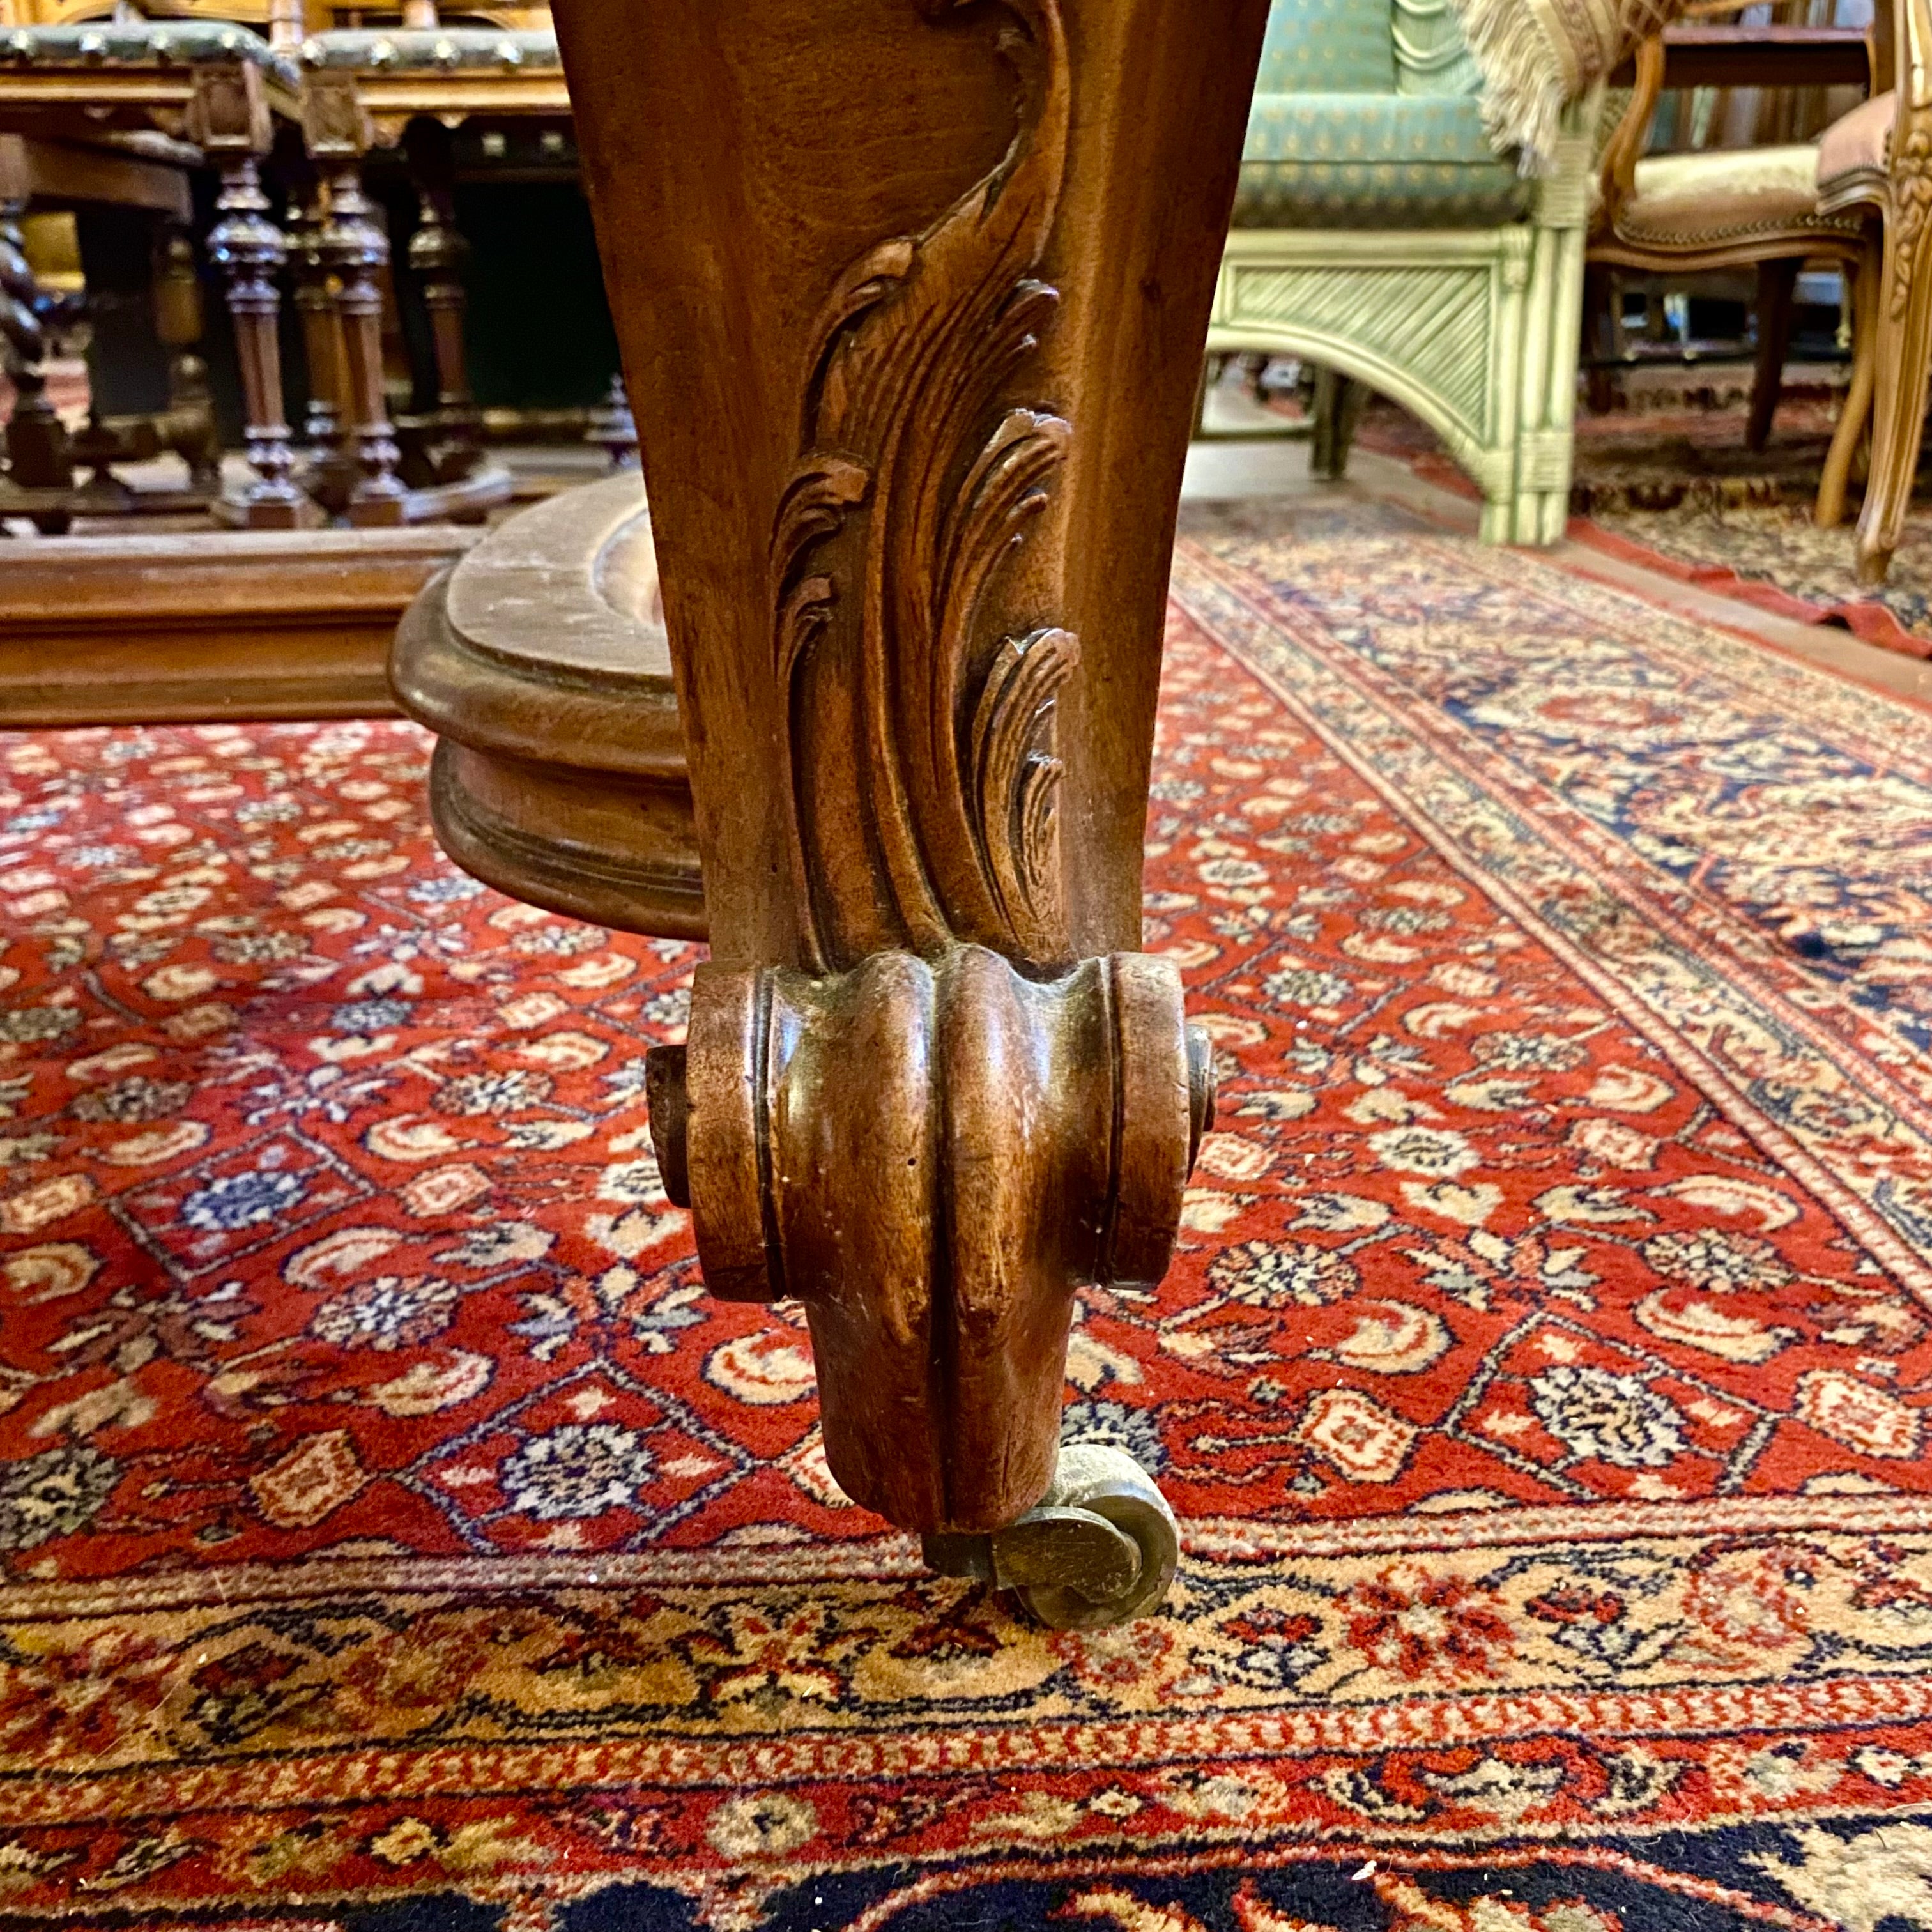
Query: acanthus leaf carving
[(1911, 201), (906, 723)]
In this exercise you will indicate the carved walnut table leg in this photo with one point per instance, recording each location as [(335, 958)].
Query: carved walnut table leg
[(912, 295)]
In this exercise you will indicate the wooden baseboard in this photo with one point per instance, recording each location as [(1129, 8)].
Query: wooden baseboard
[(208, 628)]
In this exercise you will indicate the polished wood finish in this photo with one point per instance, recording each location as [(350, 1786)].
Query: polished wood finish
[(613, 428), (1894, 321), (231, 124), (40, 460), (375, 471), (1777, 291), (43, 456), (285, 21), (543, 662), (323, 352), (187, 426), (355, 251), (1628, 144), (880, 273), (62, 173), (1777, 254), (1706, 54), (154, 629), (85, 124), (394, 97), (1855, 411), (450, 435)]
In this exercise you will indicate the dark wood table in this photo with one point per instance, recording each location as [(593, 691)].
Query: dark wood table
[(1703, 54)]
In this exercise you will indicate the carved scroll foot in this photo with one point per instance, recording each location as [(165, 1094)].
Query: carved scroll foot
[(930, 1156)]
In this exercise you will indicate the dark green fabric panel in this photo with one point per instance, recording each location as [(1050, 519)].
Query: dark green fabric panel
[(540, 333)]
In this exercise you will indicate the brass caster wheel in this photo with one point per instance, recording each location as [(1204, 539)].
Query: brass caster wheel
[(1100, 1548)]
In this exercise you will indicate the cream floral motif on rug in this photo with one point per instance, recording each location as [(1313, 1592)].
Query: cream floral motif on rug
[(395, 1537)]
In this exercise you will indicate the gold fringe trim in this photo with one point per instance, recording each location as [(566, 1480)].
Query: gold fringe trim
[(1536, 56)]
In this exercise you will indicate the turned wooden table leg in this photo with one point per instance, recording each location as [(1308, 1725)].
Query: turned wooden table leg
[(321, 326), (37, 455), (612, 427), (355, 249), (913, 296), (436, 253), (229, 120), (246, 247), (189, 422)]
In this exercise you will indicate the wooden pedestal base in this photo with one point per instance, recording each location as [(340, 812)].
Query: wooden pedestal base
[(267, 513), (542, 662)]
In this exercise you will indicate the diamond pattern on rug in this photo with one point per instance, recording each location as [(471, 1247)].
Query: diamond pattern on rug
[(594, 1460)]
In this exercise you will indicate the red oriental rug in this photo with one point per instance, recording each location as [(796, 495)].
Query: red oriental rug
[(395, 1536)]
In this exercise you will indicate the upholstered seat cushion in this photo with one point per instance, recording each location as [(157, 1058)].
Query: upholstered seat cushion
[(445, 49), (1717, 196), (1857, 143), (1384, 160), (144, 43)]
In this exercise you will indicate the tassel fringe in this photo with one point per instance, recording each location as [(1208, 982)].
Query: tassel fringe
[(1536, 56)]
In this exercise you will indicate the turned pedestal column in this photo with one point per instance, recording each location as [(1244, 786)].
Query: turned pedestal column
[(229, 119), (36, 442), (437, 254), (912, 295), (352, 250)]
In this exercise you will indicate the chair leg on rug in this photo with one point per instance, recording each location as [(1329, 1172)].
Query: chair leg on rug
[(1600, 336), (915, 586), (1339, 401), (1855, 413), (1903, 356), (1777, 287)]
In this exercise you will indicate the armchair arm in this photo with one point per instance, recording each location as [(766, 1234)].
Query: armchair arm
[(1628, 144), (1911, 52), (1538, 57)]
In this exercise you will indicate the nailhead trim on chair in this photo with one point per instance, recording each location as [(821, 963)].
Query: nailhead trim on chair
[(1704, 238)]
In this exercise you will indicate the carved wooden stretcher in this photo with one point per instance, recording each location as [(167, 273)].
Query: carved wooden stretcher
[(912, 295)]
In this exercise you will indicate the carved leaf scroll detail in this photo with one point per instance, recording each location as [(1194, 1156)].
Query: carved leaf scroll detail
[(1911, 201), (920, 765)]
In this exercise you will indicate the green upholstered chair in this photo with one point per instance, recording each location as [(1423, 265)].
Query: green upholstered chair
[(1378, 235)]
